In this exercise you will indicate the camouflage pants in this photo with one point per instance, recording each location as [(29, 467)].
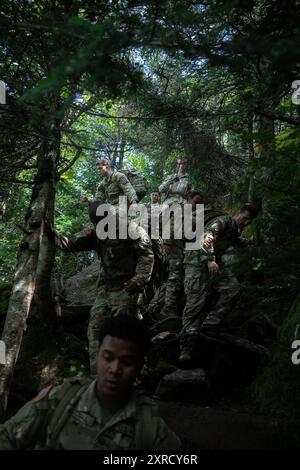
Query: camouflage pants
[(174, 283), (109, 302), (199, 286), (158, 320)]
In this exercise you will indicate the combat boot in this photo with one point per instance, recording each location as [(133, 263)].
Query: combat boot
[(185, 356)]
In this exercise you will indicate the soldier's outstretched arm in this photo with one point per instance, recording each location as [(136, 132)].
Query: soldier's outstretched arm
[(85, 240), (28, 427)]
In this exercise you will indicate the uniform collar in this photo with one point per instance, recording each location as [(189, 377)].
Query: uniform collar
[(108, 178), (89, 403)]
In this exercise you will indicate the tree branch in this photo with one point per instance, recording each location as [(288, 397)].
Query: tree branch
[(20, 181), (39, 27), (71, 163), (277, 117)]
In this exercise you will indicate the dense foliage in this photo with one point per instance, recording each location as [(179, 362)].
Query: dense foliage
[(143, 83)]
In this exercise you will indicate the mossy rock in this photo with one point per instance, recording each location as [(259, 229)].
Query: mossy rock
[(277, 388)]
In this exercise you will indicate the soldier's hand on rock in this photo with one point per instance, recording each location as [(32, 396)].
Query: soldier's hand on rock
[(131, 287), (213, 267)]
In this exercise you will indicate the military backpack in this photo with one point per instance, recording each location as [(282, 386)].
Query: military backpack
[(137, 180)]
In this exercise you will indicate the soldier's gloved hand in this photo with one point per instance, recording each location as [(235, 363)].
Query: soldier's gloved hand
[(213, 267), (131, 287)]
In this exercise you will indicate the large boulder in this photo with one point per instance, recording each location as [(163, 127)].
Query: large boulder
[(81, 289), (185, 385)]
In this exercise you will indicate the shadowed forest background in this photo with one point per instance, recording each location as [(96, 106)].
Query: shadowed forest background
[(144, 83)]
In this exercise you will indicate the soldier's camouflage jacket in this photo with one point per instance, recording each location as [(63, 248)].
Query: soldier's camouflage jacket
[(175, 191), (219, 234), (114, 186), (86, 425), (121, 259)]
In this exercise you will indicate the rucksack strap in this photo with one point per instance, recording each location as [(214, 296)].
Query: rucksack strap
[(146, 427), (72, 393)]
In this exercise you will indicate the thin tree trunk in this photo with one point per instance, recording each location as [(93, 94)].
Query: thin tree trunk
[(23, 290), (3, 204), (267, 132), (251, 188), (43, 292), (121, 154), (43, 297), (113, 155), (26, 272), (251, 157)]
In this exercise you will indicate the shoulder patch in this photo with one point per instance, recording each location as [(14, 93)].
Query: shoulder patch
[(44, 392), (121, 178)]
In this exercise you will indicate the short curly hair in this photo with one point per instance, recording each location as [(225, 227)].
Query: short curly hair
[(127, 327), (252, 211), (104, 161)]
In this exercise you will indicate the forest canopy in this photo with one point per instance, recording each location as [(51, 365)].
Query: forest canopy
[(143, 83)]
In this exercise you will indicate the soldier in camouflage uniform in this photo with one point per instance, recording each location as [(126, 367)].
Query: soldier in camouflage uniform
[(155, 197), (176, 187), (101, 414), (204, 273), (126, 269), (152, 215), (172, 291), (113, 185)]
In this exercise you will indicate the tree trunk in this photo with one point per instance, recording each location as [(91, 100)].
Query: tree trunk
[(267, 144), (251, 153), (25, 280), (43, 297), (43, 292), (112, 156), (251, 188), (23, 290), (121, 154), (3, 204)]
